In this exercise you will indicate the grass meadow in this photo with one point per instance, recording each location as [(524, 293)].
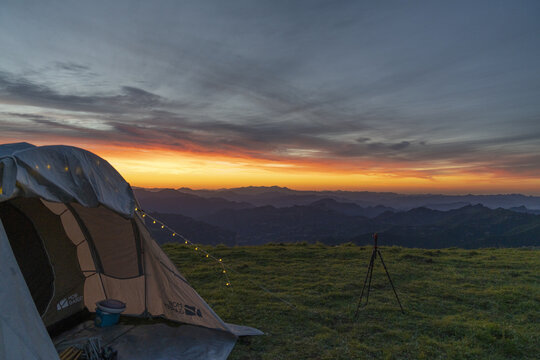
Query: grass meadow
[(459, 304)]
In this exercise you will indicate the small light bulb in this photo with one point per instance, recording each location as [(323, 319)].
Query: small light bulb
[(227, 284), (154, 221), (186, 241), (224, 271), (196, 248), (220, 260), (136, 209), (66, 168), (206, 255), (173, 234), (163, 226), (48, 166), (143, 215)]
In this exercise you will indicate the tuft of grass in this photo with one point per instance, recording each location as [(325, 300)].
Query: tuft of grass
[(460, 304)]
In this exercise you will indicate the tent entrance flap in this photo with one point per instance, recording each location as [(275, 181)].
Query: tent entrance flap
[(30, 254), (46, 256)]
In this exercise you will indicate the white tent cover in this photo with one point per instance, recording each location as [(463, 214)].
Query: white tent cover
[(63, 174)]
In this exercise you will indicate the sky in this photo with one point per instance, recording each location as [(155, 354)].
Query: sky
[(405, 96)]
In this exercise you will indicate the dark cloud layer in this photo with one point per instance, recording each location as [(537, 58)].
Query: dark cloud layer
[(133, 116), (18, 90), (432, 86)]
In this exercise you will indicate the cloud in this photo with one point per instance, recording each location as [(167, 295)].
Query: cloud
[(71, 66), (19, 90), (400, 146), (161, 129)]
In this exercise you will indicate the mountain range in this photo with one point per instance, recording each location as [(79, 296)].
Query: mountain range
[(282, 196), (250, 216)]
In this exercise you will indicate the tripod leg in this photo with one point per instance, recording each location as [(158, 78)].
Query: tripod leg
[(369, 271), (391, 283), (370, 277)]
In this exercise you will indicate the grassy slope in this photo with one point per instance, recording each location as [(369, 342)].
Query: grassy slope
[(462, 304)]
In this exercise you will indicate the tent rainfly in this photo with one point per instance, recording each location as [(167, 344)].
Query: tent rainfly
[(69, 237)]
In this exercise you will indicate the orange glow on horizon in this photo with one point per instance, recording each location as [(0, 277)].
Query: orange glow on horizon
[(171, 169), (153, 167)]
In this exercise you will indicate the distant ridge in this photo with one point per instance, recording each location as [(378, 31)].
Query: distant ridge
[(351, 209), (282, 196), (317, 217), (175, 202), (523, 209)]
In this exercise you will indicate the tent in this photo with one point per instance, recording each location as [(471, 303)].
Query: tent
[(69, 237)]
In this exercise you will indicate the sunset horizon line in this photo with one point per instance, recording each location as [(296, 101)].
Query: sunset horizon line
[(322, 190), (153, 167)]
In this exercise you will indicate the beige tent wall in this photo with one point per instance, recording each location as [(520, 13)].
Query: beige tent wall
[(160, 291), (92, 287), (168, 293), (130, 291), (114, 240), (107, 230)]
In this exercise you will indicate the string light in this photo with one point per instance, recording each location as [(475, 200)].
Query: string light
[(187, 242), (228, 282)]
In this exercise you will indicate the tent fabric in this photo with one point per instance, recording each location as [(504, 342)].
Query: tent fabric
[(63, 174), (83, 213), (155, 341), (161, 291), (178, 302), (30, 254), (241, 330), (22, 332), (114, 239), (162, 342), (61, 253)]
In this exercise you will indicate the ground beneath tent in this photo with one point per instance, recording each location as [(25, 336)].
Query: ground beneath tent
[(154, 341)]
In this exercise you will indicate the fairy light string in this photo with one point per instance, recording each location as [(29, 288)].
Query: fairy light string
[(188, 242), (225, 269)]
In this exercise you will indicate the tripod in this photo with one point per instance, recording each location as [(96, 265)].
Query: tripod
[(369, 275)]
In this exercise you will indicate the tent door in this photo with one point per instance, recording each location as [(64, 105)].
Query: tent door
[(30, 254)]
